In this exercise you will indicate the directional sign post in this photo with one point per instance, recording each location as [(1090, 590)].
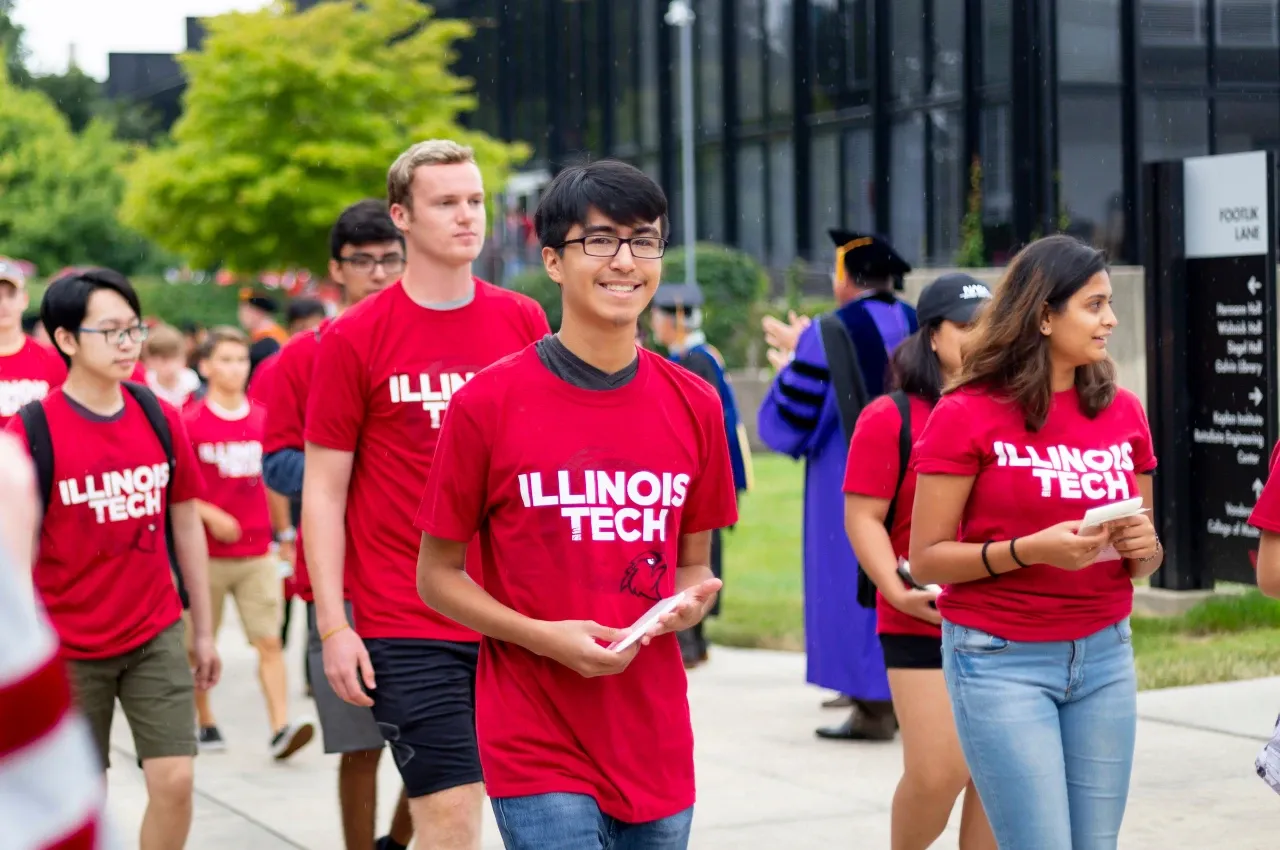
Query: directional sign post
[(1211, 331)]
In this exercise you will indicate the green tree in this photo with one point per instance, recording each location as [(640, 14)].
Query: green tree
[(288, 118), (60, 192), (15, 53), (973, 250), (77, 95)]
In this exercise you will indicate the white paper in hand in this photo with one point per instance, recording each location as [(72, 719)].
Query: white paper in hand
[(647, 622), (1095, 517)]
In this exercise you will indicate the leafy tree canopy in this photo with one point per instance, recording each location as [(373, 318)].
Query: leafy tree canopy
[(288, 118)]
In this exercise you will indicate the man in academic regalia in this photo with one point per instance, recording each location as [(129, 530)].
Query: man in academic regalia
[(676, 320), (802, 417)]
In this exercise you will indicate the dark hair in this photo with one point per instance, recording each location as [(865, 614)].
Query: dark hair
[(1010, 355), (67, 299), (914, 366), (620, 191), (305, 308), (363, 223), (29, 322)]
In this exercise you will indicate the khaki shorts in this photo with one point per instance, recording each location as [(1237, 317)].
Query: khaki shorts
[(255, 585), (155, 689)]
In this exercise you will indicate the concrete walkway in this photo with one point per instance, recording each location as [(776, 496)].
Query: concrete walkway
[(764, 780)]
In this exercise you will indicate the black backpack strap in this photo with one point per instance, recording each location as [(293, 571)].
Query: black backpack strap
[(846, 373), (40, 444), (866, 587), (160, 424)]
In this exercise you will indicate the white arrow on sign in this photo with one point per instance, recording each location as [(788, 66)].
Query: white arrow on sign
[(1256, 396), (1253, 285), (1257, 488)]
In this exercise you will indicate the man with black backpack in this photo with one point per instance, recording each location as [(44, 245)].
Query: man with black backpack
[(121, 540)]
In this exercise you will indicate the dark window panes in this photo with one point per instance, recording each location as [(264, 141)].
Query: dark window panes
[(751, 201), (1173, 128), (649, 35), (1246, 124), (824, 190), (711, 220), (530, 71), (782, 202), (592, 136), (947, 194), (480, 59), (1089, 41), (751, 48), (777, 29), (906, 39), (1172, 41), (996, 160), (709, 82), (1091, 170), (838, 53), (625, 93), (651, 166), (1247, 36), (948, 47), (859, 181), (997, 51), (906, 187)]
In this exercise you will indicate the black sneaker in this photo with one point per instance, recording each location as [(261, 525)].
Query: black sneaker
[(209, 740), (293, 737)]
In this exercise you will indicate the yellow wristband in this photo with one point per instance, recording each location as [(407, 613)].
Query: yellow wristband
[(333, 632)]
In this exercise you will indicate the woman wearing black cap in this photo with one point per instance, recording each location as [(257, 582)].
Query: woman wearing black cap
[(879, 489)]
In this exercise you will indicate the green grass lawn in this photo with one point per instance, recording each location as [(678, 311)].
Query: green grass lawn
[(1222, 639)]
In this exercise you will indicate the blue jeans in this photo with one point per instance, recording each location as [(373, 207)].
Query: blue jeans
[(1047, 729), (575, 822)]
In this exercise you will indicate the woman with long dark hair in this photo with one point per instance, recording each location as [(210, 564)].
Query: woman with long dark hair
[(876, 484), (1036, 641)]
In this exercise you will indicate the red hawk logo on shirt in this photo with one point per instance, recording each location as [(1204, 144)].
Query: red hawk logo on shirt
[(643, 576)]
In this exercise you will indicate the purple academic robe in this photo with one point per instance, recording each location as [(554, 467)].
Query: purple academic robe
[(799, 418)]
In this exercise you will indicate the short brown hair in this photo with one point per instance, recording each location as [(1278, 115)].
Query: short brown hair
[(221, 334), (1008, 354), (164, 341), (430, 152)]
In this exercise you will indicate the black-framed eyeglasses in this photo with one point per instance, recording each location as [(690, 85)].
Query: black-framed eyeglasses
[(119, 336), (364, 263), (600, 245)]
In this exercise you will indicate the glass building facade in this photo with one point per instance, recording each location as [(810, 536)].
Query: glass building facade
[(870, 114)]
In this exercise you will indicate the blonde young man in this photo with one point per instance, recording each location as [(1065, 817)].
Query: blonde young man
[(390, 366)]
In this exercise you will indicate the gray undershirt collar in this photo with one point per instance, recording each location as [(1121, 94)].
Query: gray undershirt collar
[(572, 369)]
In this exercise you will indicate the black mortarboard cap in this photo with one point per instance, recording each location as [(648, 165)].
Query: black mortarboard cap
[(866, 254), (677, 296), (260, 300)]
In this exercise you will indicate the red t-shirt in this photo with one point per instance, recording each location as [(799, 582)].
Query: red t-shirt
[(139, 375), (260, 389), (390, 367), (580, 498), (290, 382), (872, 470), (1026, 482), (230, 454), (1266, 512), (103, 569), (28, 374)]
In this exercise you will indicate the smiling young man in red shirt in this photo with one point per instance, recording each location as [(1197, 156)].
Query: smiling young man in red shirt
[(103, 570), (592, 473), (366, 252), (389, 368)]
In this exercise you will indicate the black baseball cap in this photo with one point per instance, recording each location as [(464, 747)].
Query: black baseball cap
[(954, 297)]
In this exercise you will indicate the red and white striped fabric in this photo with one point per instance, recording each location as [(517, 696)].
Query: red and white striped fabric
[(52, 789)]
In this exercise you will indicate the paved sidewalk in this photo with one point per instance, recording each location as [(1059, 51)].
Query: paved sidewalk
[(765, 782)]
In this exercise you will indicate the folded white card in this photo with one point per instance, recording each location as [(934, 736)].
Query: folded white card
[(1095, 517), (647, 622)]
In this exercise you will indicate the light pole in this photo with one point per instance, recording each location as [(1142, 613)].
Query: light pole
[(680, 15)]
